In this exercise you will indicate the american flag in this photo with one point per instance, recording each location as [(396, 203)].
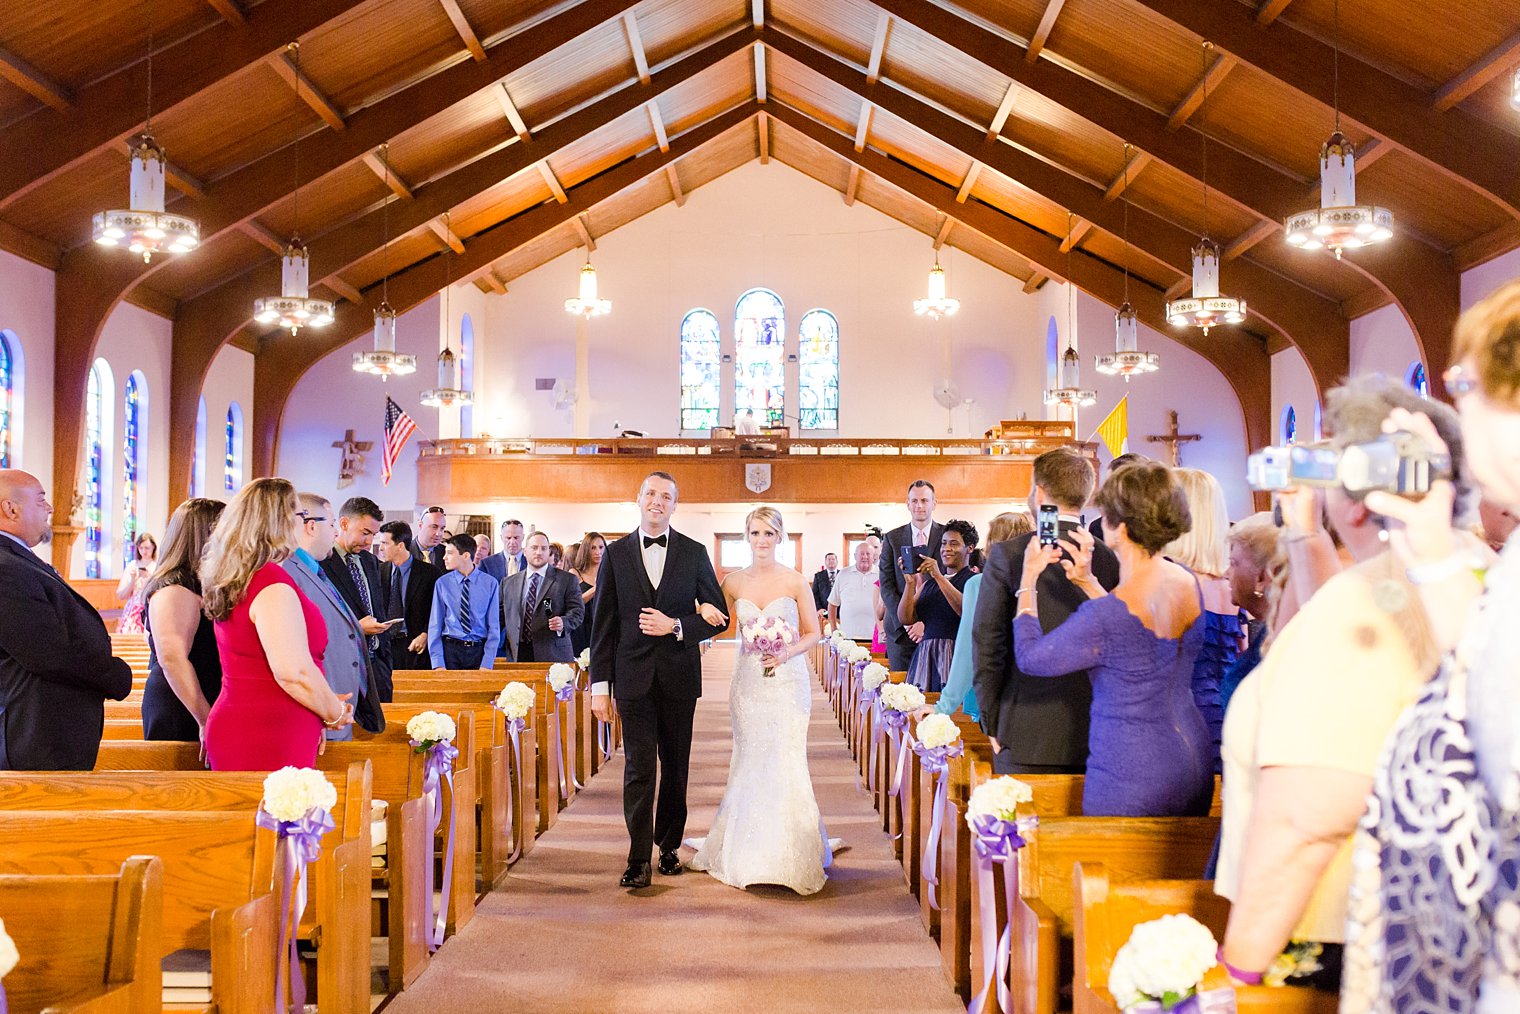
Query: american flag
[(398, 429)]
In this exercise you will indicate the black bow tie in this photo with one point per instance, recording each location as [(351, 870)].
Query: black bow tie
[(657, 541)]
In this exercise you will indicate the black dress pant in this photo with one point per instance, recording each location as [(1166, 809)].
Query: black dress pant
[(462, 654), (1004, 764), (656, 739), (900, 654), (403, 659)]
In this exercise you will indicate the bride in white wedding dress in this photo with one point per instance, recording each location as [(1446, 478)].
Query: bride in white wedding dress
[(768, 829)]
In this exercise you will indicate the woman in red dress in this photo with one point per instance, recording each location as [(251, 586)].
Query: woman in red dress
[(275, 700)]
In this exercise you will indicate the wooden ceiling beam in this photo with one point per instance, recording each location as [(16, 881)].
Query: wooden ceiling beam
[(153, 301), (264, 236), (446, 235), (388, 175), (1043, 29), (852, 187), (30, 247), (763, 134), (462, 27), (1223, 63), (1486, 247), (760, 88), (677, 194), (1138, 160), (863, 126), (1079, 228), (969, 182), (636, 46), (1489, 66), (878, 47), (230, 10), (944, 231), (308, 92), (509, 110), (1238, 355), (284, 360), (584, 232), (1246, 240), (552, 182), (1033, 283), (176, 177), (35, 83), (1268, 10), (1005, 108), (336, 283), (44, 145), (1364, 302), (492, 283), (657, 124)]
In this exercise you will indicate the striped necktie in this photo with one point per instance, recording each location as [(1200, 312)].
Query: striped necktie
[(528, 605), (357, 573), (465, 619)]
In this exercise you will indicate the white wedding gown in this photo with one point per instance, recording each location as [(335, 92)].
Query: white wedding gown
[(768, 830)]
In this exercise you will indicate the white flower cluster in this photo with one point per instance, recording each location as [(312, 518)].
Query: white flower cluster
[(999, 797), (584, 658), (516, 700), (857, 653), (561, 675), (936, 731), (8, 953), (841, 642), (873, 676), (1166, 955), (430, 727), (904, 697), (290, 793)]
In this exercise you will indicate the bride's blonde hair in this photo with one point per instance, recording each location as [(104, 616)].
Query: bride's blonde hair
[(770, 516)]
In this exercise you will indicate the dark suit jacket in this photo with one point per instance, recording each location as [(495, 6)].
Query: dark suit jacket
[(891, 577), (496, 564), (631, 661), (1039, 720), (433, 556), (338, 572), (346, 661), (416, 610), (559, 594), (821, 588), (56, 668)]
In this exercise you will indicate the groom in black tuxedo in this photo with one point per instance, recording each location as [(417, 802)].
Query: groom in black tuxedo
[(646, 655)]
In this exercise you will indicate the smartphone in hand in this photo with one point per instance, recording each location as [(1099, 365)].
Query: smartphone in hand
[(1049, 525)]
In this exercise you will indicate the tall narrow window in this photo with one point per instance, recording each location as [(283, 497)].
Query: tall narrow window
[(134, 420), (760, 356), (7, 381), (700, 365), (467, 374), (232, 457), (1289, 425), (818, 355), (198, 459), (1415, 378), (95, 476)]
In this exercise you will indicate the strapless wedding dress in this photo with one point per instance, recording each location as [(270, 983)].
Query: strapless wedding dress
[(768, 829)]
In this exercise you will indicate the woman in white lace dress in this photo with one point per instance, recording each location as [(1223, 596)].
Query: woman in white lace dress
[(768, 830)]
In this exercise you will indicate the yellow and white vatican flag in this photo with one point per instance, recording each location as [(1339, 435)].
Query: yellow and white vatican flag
[(1114, 429)]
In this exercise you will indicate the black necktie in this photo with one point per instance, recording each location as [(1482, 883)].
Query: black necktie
[(397, 611), (657, 541)]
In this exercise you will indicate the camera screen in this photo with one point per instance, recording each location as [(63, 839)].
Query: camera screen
[(1049, 529)]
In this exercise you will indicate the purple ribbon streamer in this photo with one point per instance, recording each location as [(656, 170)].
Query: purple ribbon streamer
[(897, 728), (515, 726), (565, 695), (936, 761), (996, 841), (302, 844), (436, 768), (3, 1007)]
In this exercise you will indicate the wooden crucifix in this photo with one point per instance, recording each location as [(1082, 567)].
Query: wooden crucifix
[(352, 459), (1173, 439)]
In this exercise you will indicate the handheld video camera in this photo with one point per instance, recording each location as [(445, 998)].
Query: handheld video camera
[(1400, 463)]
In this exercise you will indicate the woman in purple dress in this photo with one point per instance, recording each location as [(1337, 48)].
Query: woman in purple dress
[(1148, 744)]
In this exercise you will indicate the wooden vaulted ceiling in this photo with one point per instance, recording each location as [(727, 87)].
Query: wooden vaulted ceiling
[(520, 129)]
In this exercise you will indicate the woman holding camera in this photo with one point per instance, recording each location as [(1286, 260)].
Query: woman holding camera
[(930, 607), (1435, 919)]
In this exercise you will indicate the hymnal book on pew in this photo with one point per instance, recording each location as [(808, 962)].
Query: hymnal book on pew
[(187, 976)]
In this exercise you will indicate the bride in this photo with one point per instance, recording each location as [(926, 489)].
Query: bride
[(768, 830)]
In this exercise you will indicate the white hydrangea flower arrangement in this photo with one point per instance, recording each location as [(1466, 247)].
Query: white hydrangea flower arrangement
[(516, 700), (902, 697), (998, 797), (1163, 961), (561, 675), (935, 731), (584, 658), (873, 676), (429, 728), (291, 793), (857, 653)]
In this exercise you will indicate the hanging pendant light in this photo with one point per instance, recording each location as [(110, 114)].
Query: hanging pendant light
[(1127, 360), (383, 360), (450, 390), (1339, 223), (293, 308), (1069, 391), (936, 304), (585, 303), (1514, 89), (1207, 307), (144, 227)]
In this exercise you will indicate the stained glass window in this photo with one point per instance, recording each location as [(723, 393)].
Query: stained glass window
[(1417, 379), (760, 356), (701, 359), (95, 480), (198, 461), (467, 373), (6, 381), (131, 458), (1289, 425), (818, 385), (232, 467)]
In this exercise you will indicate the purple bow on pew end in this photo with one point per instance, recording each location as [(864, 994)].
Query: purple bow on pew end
[(995, 840), (936, 761), (1209, 1001), (438, 767), (302, 841)]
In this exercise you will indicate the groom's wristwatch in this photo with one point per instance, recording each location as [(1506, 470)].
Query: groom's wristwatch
[(676, 630)]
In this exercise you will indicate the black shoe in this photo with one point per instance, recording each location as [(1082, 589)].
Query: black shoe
[(635, 876), (670, 864)]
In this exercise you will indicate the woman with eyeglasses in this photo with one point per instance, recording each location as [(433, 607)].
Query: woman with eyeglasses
[(1435, 917)]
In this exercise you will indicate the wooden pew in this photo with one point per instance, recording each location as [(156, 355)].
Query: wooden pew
[(1107, 911), (219, 878), (99, 947)]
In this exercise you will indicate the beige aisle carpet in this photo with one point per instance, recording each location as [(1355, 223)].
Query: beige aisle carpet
[(562, 936)]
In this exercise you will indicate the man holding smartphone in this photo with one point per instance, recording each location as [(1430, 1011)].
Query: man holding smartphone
[(903, 548), (541, 605), (355, 572)]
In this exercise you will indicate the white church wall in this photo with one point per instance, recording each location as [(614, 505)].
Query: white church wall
[(1382, 342), (229, 381), (1485, 278), (26, 310), (1293, 387)]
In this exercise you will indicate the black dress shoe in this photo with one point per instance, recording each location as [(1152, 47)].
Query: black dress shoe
[(670, 864), (635, 876)]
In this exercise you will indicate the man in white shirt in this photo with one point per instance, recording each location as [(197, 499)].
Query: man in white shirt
[(922, 533), (745, 424), (852, 603)]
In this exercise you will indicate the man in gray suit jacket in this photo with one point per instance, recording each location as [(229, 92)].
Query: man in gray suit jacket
[(539, 631), (345, 662)]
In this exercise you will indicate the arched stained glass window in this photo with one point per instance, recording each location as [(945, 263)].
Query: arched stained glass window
[(1416, 379), (1289, 425), (95, 476), (818, 373), (232, 463), (133, 453), (7, 388), (198, 461), (760, 356), (701, 363), (467, 374)]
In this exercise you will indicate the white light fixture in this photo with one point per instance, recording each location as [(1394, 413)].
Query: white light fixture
[(1126, 360), (1207, 307), (585, 303), (450, 390), (1069, 391), (144, 227), (1514, 89), (383, 360), (936, 304), (1339, 223)]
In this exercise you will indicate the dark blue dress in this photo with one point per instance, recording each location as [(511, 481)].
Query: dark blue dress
[(1221, 647), (1148, 744)]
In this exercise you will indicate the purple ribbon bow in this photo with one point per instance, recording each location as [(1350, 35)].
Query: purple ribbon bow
[(1210, 1001), (515, 726), (438, 767), (301, 842), (995, 840), (936, 761)]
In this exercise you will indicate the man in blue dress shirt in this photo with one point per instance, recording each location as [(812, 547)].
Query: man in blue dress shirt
[(465, 626)]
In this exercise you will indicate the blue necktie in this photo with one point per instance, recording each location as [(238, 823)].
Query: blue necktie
[(465, 620)]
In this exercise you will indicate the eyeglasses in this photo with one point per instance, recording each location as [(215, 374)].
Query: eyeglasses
[(309, 517), (1457, 382)]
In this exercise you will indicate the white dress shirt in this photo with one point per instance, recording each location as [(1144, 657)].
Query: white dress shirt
[(921, 535), (854, 595), (654, 566)]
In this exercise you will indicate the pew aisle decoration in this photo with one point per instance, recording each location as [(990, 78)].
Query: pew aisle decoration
[(432, 733), (515, 702), (562, 685), (767, 635), (997, 834), (584, 660), (297, 807), (872, 678), (8, 959), (899, 701), (1160, 966), (939, 740), (603, 729)]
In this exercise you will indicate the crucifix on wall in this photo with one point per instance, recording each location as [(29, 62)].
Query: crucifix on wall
[(1173, 439), (352, 459)]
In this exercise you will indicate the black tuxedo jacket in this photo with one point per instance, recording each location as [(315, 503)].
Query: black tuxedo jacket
[(380, 663), (891, 577), (821, 588), (433, 556), (418, 607), (1039, 720), (559, 594), (56, 668), (631, 661)]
